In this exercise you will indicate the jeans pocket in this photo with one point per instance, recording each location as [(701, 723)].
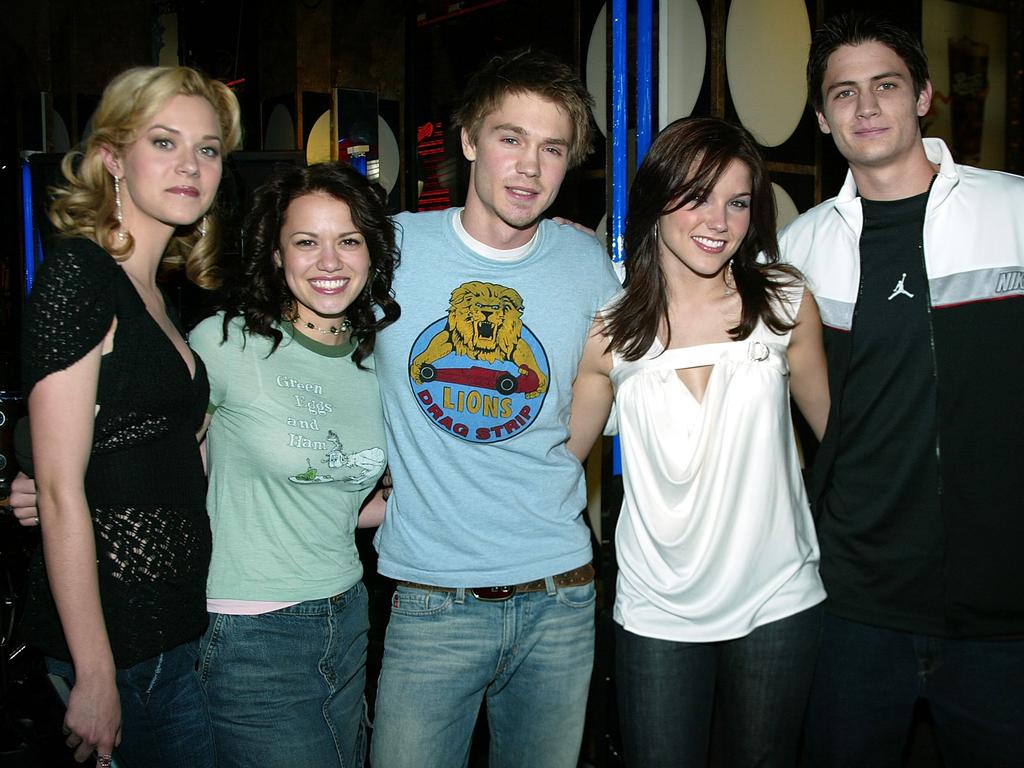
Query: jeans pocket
[(208, 645), (579, 596), (191, 652), (409, 601)]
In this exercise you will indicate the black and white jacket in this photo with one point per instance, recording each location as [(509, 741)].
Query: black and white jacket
[(973, 245)]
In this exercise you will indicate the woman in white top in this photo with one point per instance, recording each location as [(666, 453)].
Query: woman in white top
[(718, 596)]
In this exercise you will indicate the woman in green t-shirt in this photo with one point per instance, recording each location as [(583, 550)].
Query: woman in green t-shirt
[(296, 445)]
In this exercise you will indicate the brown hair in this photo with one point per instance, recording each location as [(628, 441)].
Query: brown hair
[(683, 165)]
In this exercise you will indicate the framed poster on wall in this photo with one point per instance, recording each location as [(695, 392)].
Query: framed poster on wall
[(972, 48)]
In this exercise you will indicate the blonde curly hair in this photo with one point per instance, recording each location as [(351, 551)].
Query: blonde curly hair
[(84, 205)]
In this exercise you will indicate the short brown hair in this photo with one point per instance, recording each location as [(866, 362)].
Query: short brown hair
[(529, 71)]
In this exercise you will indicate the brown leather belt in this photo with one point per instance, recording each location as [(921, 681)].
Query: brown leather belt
[(574, 578)]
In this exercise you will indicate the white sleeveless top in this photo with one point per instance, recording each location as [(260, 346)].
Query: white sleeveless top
[(715, 536)]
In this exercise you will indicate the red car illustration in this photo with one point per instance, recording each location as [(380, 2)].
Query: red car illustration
[(484, 378)]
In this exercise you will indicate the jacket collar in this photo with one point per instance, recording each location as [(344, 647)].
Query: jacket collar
[(848, 201)]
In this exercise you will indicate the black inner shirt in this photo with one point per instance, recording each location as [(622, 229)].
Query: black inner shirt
[(882, 530)]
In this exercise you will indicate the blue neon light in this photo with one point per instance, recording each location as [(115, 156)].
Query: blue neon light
[(644, 49), (30, 236), (620, 153), (620, 150)]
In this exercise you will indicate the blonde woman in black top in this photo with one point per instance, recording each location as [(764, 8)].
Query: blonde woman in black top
[(117, 601)]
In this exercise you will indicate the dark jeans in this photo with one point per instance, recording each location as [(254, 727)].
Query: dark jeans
[(756, 685), (164, 723), (285, 688), (869, 678)]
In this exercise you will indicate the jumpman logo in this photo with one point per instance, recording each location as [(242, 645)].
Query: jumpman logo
[(899, 289)]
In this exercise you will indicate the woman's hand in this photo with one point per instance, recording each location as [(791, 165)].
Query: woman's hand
[(63, 408), (23, 500), (92, 723)]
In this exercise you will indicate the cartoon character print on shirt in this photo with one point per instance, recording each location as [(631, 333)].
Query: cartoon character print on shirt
[(366, 464), (309, 405), (479, 373), (357, 467)]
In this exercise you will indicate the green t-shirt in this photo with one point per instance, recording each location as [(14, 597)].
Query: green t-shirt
[(295, 445)]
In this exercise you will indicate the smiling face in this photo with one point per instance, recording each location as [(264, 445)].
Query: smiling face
[(696, 241), (870, 107), (519, 159), (170, 173), (325, 259)]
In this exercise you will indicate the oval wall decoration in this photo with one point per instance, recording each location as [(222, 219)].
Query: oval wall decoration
[(681, 58), (596, 67), (766, 44), (387, 151), (785, 208), (280, 130), (318, 145)]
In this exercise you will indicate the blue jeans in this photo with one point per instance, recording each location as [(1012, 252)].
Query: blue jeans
[(756, 686), (286, 688), (444, 652), (164, 723), (869, 678)]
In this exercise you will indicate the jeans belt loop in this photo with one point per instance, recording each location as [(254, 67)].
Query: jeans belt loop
[(549, 585)]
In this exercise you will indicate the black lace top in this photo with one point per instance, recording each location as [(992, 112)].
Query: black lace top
[(145, 482)]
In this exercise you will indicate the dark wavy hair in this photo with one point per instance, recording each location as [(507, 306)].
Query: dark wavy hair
[(855, 28), (260, 295), (683, 165)]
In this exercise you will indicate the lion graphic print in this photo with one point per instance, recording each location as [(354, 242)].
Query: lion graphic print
[(478, 372)]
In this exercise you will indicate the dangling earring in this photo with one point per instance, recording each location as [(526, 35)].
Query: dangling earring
[(203, 227), (730, 280), (122, 233)]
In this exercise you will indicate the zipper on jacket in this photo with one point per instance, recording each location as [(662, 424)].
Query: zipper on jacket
[(938, 443), (935, 368)]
